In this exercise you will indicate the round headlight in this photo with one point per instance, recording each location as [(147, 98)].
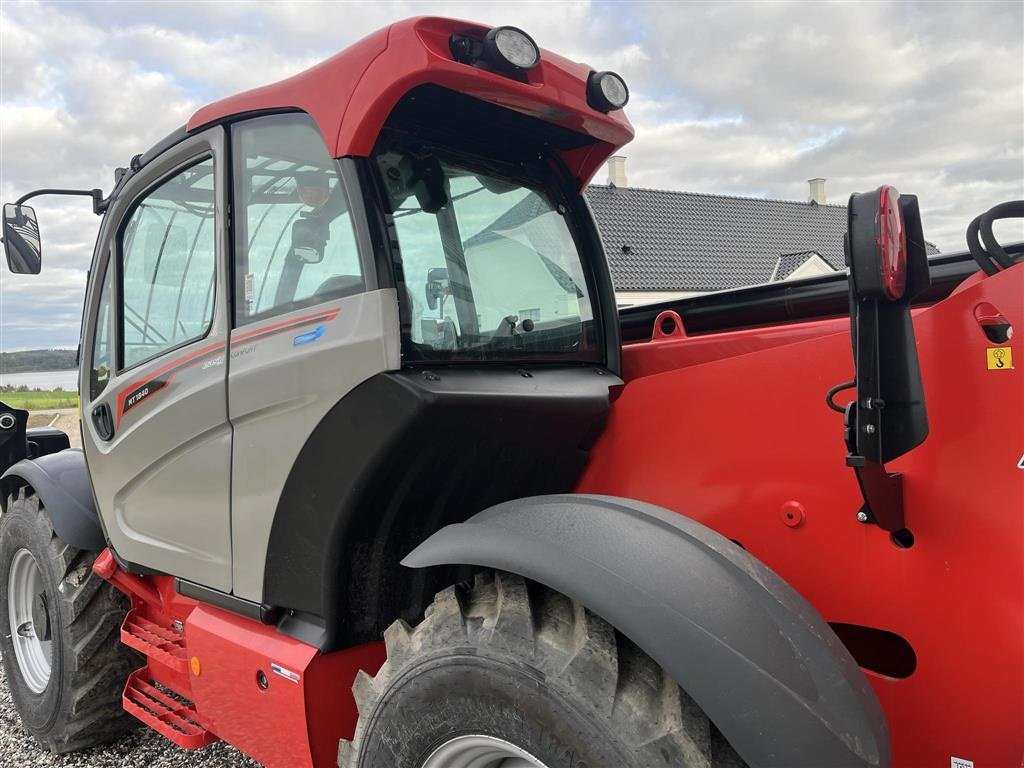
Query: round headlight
[(607, 91), (511, 48)]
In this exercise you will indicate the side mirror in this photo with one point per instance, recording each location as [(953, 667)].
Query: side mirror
[(437, 287), (21, 240), (309, 240)]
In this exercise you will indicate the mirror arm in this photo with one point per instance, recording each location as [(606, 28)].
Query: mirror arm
[(99, 205)]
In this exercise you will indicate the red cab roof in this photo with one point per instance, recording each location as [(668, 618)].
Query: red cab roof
[(351, 94)]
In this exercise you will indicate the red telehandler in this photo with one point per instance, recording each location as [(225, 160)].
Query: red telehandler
[(376, 475)]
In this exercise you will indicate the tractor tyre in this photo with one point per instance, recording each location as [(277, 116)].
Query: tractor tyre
[(59, 634), (507, 672)]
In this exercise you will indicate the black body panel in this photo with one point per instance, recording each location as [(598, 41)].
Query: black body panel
[(62, 482), (402, 455), (754, 655), (45, 440)]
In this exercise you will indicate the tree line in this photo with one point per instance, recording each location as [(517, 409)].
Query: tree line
[(30, 360)]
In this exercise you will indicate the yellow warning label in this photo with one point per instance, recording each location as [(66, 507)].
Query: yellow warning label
[(1000, 358)]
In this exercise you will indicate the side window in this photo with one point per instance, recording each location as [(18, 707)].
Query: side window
[(294, 245), (168, 266), (101, 351)]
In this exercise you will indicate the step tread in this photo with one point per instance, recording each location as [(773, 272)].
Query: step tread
[(162, 645), (174, 718)]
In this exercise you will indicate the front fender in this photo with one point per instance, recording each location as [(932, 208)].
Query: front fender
[(61, 480), (755, 656)]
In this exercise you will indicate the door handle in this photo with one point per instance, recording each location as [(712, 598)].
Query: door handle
[(103, 421)]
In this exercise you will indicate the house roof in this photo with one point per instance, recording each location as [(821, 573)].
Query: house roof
[(659, 240)]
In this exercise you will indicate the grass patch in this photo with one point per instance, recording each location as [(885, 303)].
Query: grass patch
[(40, 400)]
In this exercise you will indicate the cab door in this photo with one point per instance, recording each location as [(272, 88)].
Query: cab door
[(154, 409)]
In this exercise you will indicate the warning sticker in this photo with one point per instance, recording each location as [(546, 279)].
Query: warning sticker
[(250, 293), (1000, 358), (959, 762)]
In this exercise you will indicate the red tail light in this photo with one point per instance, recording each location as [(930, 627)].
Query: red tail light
[(892, 243)]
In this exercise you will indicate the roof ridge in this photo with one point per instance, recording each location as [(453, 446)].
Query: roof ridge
[(713, 194)]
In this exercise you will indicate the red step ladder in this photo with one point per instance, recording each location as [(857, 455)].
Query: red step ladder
[(166, 711)]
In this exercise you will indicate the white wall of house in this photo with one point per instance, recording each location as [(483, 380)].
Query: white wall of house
[(815, 265), (633, 298)]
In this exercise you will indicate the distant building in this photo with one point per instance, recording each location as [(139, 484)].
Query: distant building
[(663, 244)]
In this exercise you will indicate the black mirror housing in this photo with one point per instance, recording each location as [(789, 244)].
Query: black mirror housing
[(22, 244), (309, 240), (437, 287)]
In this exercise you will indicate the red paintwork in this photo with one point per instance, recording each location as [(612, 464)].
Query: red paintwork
[(351, 94), (666, 352), (731, 429), (287, 725), (290, 724)]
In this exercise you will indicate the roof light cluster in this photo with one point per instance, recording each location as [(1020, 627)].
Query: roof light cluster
[(511, 51)]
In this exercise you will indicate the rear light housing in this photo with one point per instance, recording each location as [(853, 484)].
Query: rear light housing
[(885, 245), (892, 243)]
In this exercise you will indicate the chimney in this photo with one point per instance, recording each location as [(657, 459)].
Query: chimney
[(817, 191), (617, 171)]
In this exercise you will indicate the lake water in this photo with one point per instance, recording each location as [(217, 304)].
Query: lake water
[(67, 380)]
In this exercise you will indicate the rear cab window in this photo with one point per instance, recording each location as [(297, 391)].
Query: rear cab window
[(489, 268)]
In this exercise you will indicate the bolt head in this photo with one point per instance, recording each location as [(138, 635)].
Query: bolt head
[(862, 517), (869, 428)]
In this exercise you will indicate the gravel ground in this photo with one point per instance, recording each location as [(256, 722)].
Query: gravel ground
[(142, 749)]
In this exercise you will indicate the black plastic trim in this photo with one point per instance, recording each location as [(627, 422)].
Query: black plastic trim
[(61, 480), (42, 441), (400, 456), (265, 614), (752, 653)]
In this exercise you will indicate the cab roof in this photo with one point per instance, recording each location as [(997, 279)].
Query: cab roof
[(351, 94)]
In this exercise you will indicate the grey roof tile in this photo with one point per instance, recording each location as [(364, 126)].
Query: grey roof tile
[(659, 240)]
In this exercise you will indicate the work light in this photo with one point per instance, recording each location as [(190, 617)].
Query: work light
[(511, 48), (607, 91)]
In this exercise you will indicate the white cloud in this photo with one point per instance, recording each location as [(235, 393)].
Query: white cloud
[(727, 97)]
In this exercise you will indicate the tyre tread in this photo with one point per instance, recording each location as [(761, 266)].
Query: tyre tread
[(94, 676), (578, 651)]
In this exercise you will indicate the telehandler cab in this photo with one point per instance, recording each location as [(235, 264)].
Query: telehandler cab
[(370, 479)]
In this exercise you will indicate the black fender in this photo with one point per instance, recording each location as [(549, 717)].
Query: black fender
[(754, 655), (61, 480)]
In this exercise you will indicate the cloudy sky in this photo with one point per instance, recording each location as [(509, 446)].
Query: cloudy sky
[(738, 98)]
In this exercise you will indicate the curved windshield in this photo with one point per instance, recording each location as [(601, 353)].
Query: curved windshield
[(489, 267)]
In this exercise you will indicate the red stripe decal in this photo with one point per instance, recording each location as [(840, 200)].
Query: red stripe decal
[(141, 389), (286, 325)]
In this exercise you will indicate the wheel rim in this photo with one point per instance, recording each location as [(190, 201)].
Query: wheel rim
[(481, 752), (24, 584)]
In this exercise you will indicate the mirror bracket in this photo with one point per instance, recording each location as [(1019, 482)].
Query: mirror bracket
[(99, 205)]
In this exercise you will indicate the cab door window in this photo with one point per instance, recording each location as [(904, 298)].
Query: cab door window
[(168, 266), (295, 245), (99, 374)]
